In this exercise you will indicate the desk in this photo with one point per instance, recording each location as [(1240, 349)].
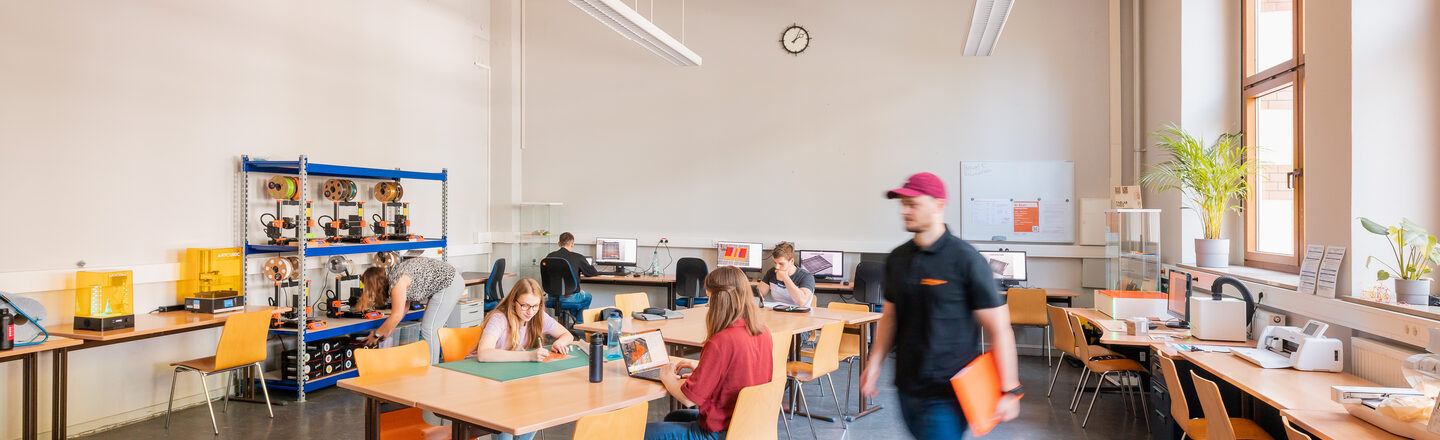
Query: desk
[(1282, 388), (1336, 425), (668, 282), (515, 407), (1066, 296), (29, 400), (690, 331), (475, 278), (147, 325), (1178, 336)]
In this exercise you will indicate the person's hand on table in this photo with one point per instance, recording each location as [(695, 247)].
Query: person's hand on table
[(678, 364), (541, 354), (559, 347)]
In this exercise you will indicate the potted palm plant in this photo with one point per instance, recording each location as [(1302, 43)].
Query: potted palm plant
[(1415, 251), (1209, 176)]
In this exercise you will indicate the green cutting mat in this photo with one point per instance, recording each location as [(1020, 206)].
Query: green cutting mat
[(508, 371)]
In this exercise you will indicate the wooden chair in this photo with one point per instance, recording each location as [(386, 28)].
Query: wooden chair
[(407, 423), (632, 302), (622, 424), (1027, 309), (242, 345), (780, 345), (755, 410), (1064, 341), (849, 344), (1291, 432), (1124, 368), (1196, 428), (1217, 424), (456, 343), (825, 361), (590, 315)]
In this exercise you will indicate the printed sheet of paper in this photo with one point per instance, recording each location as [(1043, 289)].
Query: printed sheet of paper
[(1329, 271), (1310, 268), (991, 212)]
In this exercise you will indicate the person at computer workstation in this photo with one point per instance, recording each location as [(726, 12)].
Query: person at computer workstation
[(577, 261), (786, 282)]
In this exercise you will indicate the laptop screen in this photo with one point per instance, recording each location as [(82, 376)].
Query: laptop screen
[(643, 351)]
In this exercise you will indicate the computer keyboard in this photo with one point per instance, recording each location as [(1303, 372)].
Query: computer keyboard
[(1263, 358)]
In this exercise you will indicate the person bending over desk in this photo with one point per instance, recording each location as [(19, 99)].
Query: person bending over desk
[(786, 282), (419, 279), (515, 326), (737, 354)]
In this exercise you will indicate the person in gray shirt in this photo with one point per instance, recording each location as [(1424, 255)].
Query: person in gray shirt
[(786, 282)]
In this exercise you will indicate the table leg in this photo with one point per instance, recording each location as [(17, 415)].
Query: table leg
[(670, 296), (372, 418), (28, 430), (865, 408), (59, 388)]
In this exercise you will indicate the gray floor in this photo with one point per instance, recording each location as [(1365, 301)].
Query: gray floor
[(336, 414)]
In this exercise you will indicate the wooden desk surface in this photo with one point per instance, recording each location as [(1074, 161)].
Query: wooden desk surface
[(1336, 425), (518, 406), (1178, 336), (690, 330), (1283, 388), (849, 316), (641, 280), (473, 278), (51, 344), (147, 324)]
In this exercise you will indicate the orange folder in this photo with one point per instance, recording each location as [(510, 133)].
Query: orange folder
[(977, 386)]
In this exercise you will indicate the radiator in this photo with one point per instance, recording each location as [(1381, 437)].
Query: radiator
[(1379, 362)]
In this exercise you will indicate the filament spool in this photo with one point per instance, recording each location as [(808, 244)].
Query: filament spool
[(388, 191), (339, 190), (386, 259), (283, 187)]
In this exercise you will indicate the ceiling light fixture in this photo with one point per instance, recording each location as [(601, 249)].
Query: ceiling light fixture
[(632, 25), (985, 26)]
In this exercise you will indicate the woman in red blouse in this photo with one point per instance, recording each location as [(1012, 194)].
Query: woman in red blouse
[(736, 355)]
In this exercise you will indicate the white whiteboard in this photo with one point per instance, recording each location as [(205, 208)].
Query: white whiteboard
[(1022, 201)]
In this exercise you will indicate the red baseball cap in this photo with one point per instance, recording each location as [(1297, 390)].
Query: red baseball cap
[(920, 184)]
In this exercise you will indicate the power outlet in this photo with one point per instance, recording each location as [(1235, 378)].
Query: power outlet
[(1264, 318)]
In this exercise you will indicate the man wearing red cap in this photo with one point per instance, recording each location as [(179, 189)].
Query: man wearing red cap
[(939, 293)]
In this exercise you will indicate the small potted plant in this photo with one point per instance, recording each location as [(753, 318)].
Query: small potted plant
[(1415, 251), (1209, 176)]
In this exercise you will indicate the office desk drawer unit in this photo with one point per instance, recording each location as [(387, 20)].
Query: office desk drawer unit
[(467, 314)]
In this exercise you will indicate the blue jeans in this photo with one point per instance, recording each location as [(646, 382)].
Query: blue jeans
[(504, 436), (680, 425), (933, 417)]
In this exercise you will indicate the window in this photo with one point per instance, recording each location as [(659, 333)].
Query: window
[(1272, 91)]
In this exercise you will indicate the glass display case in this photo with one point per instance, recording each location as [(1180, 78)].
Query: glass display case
[(104, 300), (1132, 247), (537, 235)]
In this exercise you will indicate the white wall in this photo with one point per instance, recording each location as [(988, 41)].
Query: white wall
[(760, 145), (1394, 133), (122, 122)]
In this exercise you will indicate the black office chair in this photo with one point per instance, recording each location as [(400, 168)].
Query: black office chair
[(562, 286), (493, 290), (869, 284), (690, 282)]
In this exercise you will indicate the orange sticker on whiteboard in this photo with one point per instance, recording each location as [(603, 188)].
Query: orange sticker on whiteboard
[(1027, 216)]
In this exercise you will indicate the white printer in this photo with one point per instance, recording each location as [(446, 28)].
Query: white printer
[(1292, 347), (1405, 416)]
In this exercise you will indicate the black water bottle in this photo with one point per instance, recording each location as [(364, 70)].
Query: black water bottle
[(597, 359), (7, 330)]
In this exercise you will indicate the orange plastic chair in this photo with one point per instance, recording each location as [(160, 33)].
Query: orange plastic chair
[(622, 424), (456, 343), (242, 345), (403, 424), (632, 302), (825, 361), (1027, 309)]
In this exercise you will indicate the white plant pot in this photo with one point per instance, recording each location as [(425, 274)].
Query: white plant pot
[(1212, 252), (1416, 292)]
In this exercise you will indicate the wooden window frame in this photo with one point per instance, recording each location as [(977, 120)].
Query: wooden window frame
[(1287, 73)]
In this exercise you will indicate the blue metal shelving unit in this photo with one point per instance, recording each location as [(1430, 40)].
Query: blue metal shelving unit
[(303, 168)]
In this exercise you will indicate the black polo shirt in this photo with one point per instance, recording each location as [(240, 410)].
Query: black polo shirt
[(578, 264), (936, 292)]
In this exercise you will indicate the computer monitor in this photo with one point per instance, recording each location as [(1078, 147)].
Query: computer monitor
[(823, 264), (1178, 299), (615, 251), (746, 256), (1009, 267)]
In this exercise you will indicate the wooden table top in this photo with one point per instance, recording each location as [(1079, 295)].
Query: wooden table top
[(1282, 388), (147, 324), (690, 330), (1056, 293), (1178, 336), (473, 278), (1336, 425), (642, 280), (849, 316), (518, 406), (51, 344)]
